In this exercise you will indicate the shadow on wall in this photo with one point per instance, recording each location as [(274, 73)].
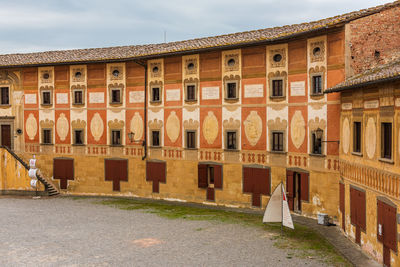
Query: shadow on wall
[(14, 178)]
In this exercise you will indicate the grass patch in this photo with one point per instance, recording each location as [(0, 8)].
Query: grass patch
[(301, 242)]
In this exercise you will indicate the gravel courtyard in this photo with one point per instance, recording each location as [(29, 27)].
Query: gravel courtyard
[(68, 232)]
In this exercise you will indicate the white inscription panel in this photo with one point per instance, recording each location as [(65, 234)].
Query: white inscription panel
[(30, 99), (253, 90), (298, 88), (96, 98), (62, 98), (173, 95), (136, 97), (210, 93), (371, 104), (347, 106)]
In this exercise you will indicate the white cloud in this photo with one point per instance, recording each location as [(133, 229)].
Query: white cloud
[(42, 25)]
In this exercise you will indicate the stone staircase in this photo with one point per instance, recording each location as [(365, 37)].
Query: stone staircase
[(49, 187)]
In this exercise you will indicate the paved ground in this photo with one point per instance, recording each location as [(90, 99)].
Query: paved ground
[(347, 248), (63, 231)]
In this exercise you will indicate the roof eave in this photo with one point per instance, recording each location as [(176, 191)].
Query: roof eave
[(316, 31), (359, 85)]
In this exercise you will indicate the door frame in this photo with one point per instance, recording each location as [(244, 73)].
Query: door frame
[(8, 120), (298, 186)]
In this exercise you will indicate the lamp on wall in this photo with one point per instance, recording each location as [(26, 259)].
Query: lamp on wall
[(319, 132), (131, 135)]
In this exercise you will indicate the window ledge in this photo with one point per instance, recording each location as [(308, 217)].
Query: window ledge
[(277, 97), (319, 94), (116, 145), (190, 100), (317, 155), (358, 154), (78, 104), (78, 145), (231, 150), (155, 102), (155, 147), (44, 144), (278, 152), (231, 99), (191, 149), (46, 105), (5, 105), (385, 160), (116, 103)]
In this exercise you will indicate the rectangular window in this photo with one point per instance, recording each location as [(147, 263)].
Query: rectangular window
[(155, 94), (277, 88), (155, 138), (231, 140), (386, 137), (116, 137), (191, 139), (46, 136), (317, 84), (277, 141), (231, 90), (357, 137), (316, 144), (46, 98), (78, 97), (5, 100), (116, 96), (78, 137), (190, 92)]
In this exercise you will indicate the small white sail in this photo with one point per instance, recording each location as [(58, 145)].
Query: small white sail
[(273, 212), (286, 216), (277, 209)]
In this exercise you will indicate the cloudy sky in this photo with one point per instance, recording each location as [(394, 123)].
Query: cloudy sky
[(27, 26)]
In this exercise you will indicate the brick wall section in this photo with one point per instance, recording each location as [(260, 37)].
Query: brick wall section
[(378, 32)]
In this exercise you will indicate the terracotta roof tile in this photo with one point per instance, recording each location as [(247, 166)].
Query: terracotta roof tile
[(381, 73), (152, 50)]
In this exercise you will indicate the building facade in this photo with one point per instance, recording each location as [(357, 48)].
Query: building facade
[(219, 120)]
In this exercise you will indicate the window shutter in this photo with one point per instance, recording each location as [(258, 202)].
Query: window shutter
[(362, 211), (218, 176), (289, 183), (123, 167), (341, 198), (149, 169), (202, 176), (159, 171), (353, 206), (390, 227), (262, 179), (380, 214), (247, 180), (305, 194)]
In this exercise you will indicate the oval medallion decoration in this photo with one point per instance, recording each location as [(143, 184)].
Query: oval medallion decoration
[(253, 127), (173, 127), (62, 127), (97, 127), (210, 128), (346, 136), (137, 126), (31, 126), (370, 138), (297, 129)]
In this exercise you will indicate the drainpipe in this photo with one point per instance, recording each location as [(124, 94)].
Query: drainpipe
[(144, 144)]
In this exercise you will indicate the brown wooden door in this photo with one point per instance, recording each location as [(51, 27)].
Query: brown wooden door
[(386, 256), (63, 169), (6, 136), (342, 204)]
